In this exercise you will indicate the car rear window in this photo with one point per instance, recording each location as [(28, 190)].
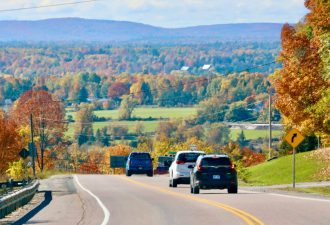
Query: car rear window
[(189, 157), (140, 156), (221, 161)]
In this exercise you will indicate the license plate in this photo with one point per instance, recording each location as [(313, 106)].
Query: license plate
[(140, 168), (216, 177)]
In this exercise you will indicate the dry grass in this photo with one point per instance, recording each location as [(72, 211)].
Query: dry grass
[(4, 178), (323, 156)]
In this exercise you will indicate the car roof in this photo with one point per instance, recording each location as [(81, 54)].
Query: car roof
[(140, 153), (211, 156), (190, 152)]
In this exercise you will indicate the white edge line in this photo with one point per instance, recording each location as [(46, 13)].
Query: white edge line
[(287, 196), (311, 199), (105, 210)]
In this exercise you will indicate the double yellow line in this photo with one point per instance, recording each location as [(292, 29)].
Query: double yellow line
[(249, 219)]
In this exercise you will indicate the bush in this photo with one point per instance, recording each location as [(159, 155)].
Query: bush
[(16, 169), (242, 173)]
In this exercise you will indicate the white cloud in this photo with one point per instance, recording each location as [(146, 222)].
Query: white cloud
[(165, 13)]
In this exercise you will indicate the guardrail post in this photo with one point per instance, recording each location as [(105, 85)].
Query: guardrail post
[(11, 183)]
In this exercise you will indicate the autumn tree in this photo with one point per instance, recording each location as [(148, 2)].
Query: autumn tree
[(196, 131), (77, 157), (83, 127), (117, 90), (138, 127), (127, 106), (10, 142), (218, 134), (164, 129), (48, 117)]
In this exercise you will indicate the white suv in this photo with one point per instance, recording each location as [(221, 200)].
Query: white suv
[(180, 169)]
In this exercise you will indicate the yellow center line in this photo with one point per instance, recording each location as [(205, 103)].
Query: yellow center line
[(245, 216)]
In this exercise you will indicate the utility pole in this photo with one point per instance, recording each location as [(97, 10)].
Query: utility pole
[(33, 148), (270, 124)]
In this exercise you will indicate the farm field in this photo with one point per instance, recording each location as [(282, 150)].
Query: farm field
[(146, 112), (253, 134), (149, 126)]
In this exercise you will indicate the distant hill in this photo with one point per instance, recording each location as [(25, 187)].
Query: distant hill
[(76, 29)]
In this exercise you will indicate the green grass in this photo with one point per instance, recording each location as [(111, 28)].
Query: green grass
[(149, 126), (146, 112), (279, 171), (253, 134), (317, 190)]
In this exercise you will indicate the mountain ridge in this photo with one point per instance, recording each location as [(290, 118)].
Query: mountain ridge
[(79, 29)]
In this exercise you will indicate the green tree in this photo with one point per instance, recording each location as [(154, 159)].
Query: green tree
[(241, 140), (127, 106)]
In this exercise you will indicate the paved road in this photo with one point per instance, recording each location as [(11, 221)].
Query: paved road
[(144, 200)]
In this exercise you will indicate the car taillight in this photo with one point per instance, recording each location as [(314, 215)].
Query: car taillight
[(199, 167), (180, 162), (232, 167), (129, 163), (150, 162)]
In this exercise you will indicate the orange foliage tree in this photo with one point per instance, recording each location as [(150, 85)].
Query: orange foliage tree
[(251, 158), (48, 122), (10, 142)]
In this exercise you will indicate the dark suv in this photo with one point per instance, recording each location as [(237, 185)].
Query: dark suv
[(139, 163), (213, 172)]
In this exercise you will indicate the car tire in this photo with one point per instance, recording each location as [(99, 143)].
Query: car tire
[(128, 173), (150, 174), (174, 183), (196, 190), (232, 190), (191, 189), (170, 183)]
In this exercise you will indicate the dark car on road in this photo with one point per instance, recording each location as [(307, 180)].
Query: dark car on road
[(213, 172), (139, 163)]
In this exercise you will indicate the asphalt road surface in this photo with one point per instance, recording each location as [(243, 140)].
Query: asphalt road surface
[(148, 200)]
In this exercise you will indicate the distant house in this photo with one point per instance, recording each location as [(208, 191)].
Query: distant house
[(259, 107), (206, 67), (185, 68)]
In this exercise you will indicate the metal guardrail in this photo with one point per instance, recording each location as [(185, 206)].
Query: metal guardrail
[(17, 198)]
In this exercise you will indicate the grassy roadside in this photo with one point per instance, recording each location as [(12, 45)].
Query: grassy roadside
[(48, 173), (279, 171)]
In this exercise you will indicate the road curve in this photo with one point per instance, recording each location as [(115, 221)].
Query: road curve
[(145, 200)]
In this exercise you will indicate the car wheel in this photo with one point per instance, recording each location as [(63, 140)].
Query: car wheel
[(232, 190), (174, 183), (191, 189), (170, 183), (128, 173), (196, 190), (150, 174)]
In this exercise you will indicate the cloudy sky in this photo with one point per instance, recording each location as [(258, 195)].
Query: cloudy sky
[(163, 13)]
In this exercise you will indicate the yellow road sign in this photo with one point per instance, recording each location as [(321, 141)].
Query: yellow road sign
[(294, 138)]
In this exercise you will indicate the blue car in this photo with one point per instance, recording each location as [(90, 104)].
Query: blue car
[(139, 163)]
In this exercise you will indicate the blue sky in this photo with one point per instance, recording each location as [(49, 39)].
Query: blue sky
[(163, 13)]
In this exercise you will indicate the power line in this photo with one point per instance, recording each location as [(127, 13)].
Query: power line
[(47, 6)]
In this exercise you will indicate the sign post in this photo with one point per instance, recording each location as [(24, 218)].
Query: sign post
[(193, 147), (24, 154), (294, 138)]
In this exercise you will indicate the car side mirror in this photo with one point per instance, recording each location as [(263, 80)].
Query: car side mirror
[(152, 159), (235, 165), (125, 158)]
